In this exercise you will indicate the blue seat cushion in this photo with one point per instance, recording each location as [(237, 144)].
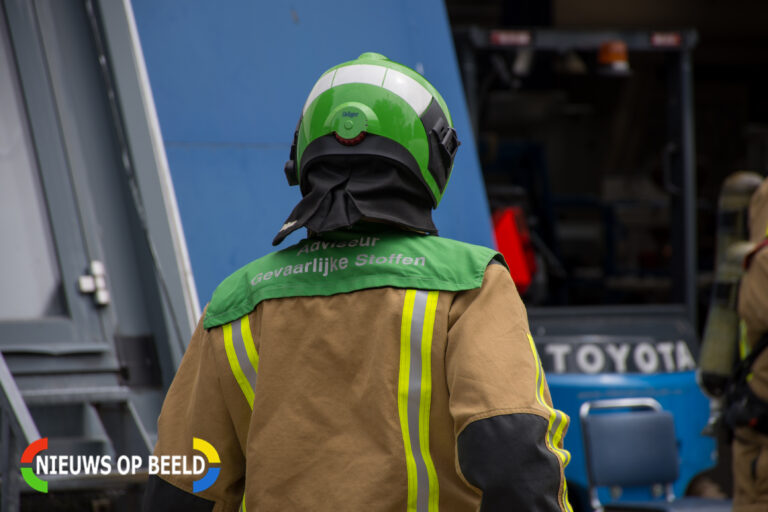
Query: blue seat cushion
[(631, 448)]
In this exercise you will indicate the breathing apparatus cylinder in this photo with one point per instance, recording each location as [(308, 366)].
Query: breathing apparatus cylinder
[(722, 332)]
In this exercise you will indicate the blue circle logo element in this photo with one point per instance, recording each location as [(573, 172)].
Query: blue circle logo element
[(212, 455)]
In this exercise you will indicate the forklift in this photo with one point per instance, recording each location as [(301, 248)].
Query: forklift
[(590, 134)]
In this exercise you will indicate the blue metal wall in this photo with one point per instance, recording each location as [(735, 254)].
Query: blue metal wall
[(229, 80)]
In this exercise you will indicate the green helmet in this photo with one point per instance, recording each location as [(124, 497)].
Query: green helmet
[(374, 107)]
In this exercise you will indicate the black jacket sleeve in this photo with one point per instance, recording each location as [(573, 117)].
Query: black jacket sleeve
[(507, 458), (163, 496)]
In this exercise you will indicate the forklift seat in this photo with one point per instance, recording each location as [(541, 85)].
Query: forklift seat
[(630, 444)]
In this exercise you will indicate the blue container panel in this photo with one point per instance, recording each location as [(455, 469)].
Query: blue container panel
[(229, 81)]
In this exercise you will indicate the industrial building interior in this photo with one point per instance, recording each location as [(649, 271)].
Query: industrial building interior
[(601, 139)]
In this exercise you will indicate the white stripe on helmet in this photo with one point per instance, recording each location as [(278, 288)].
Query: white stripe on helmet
[(322, 85), (360, 74), (411, 91), (417, 96)]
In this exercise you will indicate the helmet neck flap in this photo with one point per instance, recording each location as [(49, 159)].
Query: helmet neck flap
[(344, 191)]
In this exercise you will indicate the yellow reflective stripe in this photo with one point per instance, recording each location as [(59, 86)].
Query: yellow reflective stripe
[(250, 348), (234, 363), (426, 398), (558, 437), (744, 348), (242, 381), (552, 439), (565, 497), (402, 395), (414, 397)]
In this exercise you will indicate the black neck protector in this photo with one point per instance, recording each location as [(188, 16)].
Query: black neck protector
[(339, 192)]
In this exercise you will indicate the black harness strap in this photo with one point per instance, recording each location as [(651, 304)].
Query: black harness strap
[(743, 408)]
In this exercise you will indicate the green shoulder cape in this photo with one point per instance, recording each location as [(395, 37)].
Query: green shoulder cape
[(346, 261)]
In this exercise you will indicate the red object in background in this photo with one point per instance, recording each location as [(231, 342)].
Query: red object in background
[(514, 241)]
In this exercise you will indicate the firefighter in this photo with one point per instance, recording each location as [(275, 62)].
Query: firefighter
[(373, 365), (750, 444)]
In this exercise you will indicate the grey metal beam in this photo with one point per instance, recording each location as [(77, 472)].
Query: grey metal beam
[(9, 491), (688, 155), (153, 189), (98, 394), (16, 427), (12, 401), (55, 171)]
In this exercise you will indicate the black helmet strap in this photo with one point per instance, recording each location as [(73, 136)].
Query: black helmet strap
[(443, 143), (291, 172)]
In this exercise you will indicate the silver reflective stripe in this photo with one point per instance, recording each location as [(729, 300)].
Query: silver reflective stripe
[(414, 399), (555, 433), (410, 90), (242, 355)]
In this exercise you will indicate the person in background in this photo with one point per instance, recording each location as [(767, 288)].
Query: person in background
[(750, 443)]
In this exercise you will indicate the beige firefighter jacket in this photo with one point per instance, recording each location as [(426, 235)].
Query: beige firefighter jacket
[(382, 399)]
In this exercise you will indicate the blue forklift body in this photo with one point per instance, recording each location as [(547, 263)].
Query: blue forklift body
[(609, 352)]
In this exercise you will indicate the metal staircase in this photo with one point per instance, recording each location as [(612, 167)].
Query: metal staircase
[(88, 368)]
